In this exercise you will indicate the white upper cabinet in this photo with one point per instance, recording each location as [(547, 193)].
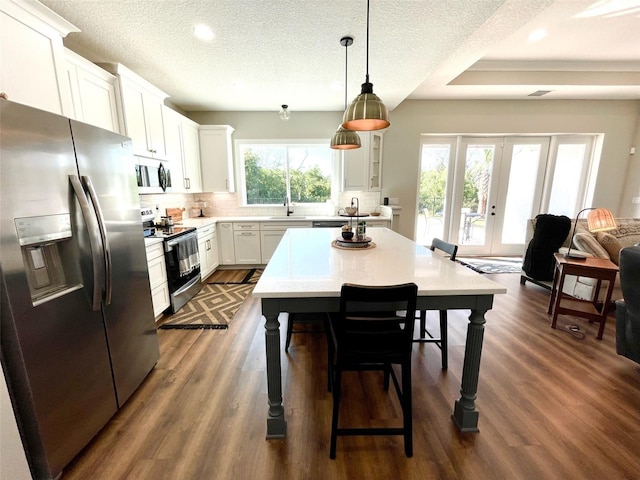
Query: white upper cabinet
[(191, 147), (216, 158), (181, 136), (362, 167), (32, 71), (94, 92), (142, 105)]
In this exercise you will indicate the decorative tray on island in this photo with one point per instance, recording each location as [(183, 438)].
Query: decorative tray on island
[(354, 242)]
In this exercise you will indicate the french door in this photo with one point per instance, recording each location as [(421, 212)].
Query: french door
[(498, 187), (478, 192)]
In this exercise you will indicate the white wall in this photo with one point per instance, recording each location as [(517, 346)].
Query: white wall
[(619, 121), (632, 189)]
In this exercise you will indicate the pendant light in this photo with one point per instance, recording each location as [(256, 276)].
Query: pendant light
[(284, 112), (366, 112), (345, 139)]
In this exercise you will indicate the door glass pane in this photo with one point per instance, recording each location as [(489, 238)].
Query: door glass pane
[(520, 192), (567, 178), (433, 186), (477, 179)]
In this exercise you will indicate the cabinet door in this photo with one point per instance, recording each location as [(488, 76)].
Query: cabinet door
[(133, 103), (375, 161), (157, 272), (226, 243), (355, 169), (153, 107), (247, 247), (191, 155), (204, 264), (33, 62), (214, 256), (362, 167), (173, 139), (160, 299), (143, 118), (269, 240), (216, 158)]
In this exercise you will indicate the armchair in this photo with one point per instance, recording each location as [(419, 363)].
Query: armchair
[(628, 309)]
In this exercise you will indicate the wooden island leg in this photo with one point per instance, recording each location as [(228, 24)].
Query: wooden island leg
[(465, 415), (276, 424)]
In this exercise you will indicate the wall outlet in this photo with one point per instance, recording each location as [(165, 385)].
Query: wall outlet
[(635, 200), (393, 201)]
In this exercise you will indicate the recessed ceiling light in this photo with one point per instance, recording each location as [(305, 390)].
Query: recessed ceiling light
[(203, 32), (240, 85), (537, 35)]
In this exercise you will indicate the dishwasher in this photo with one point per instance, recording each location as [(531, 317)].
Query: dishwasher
[(329, 223)]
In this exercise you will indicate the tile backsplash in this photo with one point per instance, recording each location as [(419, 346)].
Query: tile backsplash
[(229, 204)]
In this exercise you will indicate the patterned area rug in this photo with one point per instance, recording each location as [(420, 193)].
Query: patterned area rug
[(216, 304), (492, 265)]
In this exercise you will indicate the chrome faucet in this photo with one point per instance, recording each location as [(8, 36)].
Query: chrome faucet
[(357, 204), (286, 206)]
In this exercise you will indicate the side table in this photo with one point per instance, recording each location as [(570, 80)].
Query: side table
[(597, 268)]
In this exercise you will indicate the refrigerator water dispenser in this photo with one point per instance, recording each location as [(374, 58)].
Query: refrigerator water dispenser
[(48, 256)]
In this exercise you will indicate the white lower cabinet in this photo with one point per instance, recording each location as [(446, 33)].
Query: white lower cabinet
[(272, 232), (226, 244), (158, 278), (246, 241), (208, 250)]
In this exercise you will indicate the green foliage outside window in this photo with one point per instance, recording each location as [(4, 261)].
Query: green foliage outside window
[(268, 185)]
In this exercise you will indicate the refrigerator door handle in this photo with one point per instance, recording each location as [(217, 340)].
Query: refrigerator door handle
[(103, 233), (94, 240)]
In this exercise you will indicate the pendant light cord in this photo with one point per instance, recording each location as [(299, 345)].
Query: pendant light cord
[(346, 65), (367, 75)]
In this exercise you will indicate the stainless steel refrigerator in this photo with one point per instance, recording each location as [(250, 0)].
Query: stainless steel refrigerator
[(77, 328)]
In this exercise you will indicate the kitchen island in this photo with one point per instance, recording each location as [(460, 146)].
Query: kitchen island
[(306, 273)]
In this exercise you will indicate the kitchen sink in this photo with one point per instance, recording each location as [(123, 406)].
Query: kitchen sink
[(290, 217)]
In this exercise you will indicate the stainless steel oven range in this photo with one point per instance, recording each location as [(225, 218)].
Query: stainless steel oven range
[(182, 261)]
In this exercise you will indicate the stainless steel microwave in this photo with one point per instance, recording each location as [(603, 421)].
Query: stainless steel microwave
[(153, 176)]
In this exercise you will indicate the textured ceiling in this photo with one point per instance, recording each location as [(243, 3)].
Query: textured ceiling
[(272, 52)]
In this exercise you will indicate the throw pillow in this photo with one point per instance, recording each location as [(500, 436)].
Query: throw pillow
[(613, 244), (588, 243)]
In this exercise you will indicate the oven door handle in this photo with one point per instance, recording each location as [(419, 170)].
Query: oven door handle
[(188, 285), (175, 241)]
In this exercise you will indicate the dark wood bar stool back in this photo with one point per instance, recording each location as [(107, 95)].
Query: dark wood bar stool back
[(373, 331), (425, 335)]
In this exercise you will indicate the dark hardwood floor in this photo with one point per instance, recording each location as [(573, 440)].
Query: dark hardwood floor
[(552, 406)]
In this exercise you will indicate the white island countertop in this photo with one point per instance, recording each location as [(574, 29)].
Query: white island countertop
[(305, 264), (306, 274)]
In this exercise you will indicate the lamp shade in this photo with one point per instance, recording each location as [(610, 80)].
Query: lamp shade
[(345, 139), (600, 220), (366, 112)]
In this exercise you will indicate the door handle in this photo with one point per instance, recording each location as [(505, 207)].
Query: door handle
[(105, 240), (94, 240)]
